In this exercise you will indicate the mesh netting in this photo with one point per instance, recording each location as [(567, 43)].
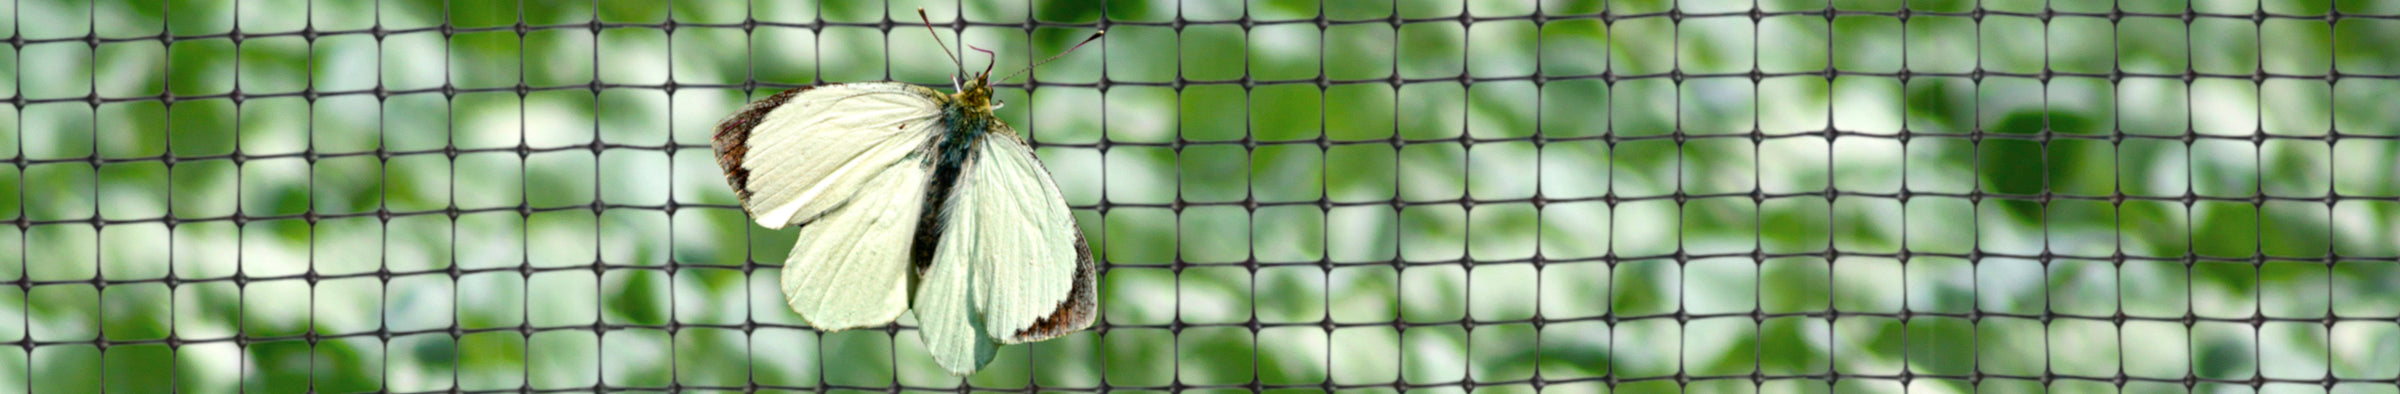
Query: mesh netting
[(1577, 196)]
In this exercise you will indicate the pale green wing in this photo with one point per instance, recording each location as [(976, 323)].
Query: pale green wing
[(1033, 277), (849, 268), (1011, 266), (834, 159), (946, 317), (796, 155)]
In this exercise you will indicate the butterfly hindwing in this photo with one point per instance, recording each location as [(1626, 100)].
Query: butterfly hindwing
[(946, 317), (849, 268)]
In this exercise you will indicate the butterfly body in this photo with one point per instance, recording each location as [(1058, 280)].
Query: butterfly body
[(968, 117)]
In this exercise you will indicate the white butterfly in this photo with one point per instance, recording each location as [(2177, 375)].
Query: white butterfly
[(898, 187)]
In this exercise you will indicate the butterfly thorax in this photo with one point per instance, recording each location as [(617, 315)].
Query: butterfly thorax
[(966, 117)]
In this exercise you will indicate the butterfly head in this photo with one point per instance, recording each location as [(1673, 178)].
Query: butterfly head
[(978, 94), (975, 91)]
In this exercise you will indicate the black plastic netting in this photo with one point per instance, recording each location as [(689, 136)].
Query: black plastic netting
[(162, 244)]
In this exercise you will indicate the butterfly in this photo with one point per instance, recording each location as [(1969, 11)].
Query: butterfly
[(908, 198)]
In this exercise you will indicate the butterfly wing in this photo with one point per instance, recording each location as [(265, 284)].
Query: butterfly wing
[(798, 154), (849, 268), (1011, 267), (946, 316), (1034, 274), (835, 157)]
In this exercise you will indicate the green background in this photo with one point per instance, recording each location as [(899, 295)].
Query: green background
[(1484, 202)]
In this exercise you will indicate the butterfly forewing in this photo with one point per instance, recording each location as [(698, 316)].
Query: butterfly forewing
[(1033, 274), (1011, 265), (798, 154)]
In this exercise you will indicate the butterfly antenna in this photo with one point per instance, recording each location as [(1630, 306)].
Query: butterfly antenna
[(937, 40), (987, 67), (1095, 36)]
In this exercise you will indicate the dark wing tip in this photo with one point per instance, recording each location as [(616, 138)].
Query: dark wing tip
[(732, 141), (1080, 307)]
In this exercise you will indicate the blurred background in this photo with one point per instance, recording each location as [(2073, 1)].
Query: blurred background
[(1441, 196)]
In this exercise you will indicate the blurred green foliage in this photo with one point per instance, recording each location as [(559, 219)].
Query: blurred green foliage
[(1398, 199)]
